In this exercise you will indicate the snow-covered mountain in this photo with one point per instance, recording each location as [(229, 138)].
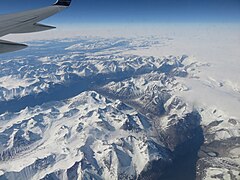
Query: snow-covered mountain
[(94, 111)]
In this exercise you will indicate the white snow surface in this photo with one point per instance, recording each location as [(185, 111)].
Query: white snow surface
[(217, 46), (89, 126), (70, 130)]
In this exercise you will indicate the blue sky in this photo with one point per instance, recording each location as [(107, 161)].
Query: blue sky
[(136, 11)]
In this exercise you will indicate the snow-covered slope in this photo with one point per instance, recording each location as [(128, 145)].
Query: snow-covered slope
[(87, 136), (104, 108)]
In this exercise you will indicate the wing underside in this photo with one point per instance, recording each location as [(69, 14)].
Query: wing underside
[(33, 28), (26, 22), (7, 46)]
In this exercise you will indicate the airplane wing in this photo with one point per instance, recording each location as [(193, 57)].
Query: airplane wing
[(26, 22)]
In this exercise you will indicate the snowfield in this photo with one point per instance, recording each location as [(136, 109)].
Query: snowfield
[(130, 104)]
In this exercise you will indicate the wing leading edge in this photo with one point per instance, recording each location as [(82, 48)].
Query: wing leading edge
[(26, 22)]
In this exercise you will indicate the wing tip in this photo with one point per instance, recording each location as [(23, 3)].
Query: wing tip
[(63, 3)]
